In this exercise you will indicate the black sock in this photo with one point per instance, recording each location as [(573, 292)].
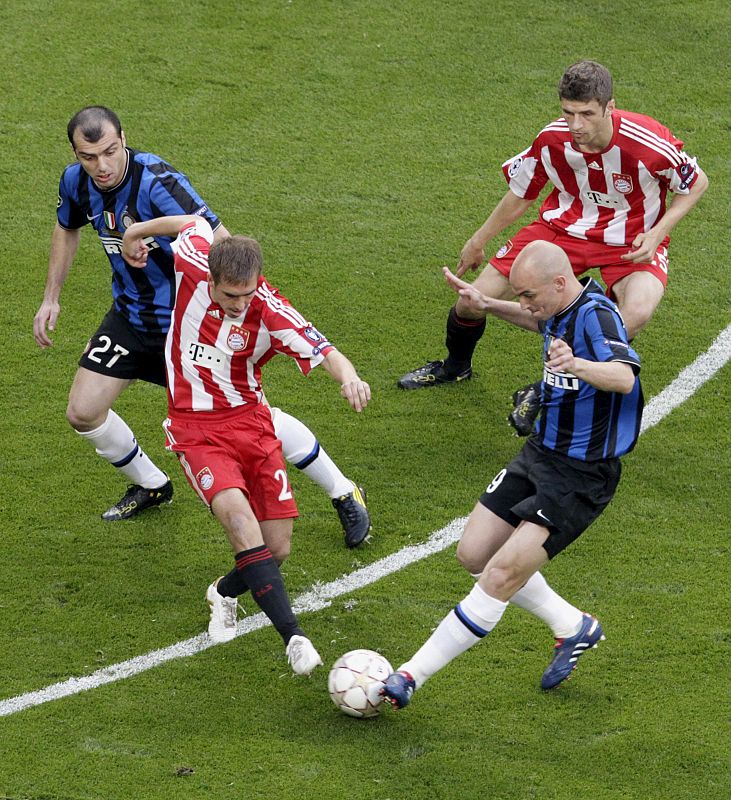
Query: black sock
[(232, 585), (258, 571), (462, 337)]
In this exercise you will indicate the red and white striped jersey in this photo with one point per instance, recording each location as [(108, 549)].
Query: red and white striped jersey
[(608, 197), (214, 361)]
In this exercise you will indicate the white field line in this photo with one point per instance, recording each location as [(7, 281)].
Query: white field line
[(321, 595)]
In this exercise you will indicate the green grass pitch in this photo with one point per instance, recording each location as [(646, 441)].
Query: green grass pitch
[(361, 143)]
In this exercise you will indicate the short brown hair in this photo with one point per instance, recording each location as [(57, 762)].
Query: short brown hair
[(235, 259), (586, 81), (91, 120)]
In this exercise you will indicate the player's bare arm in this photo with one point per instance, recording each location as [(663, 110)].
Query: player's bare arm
[(134, 249), (220, 233), (645, 245), (608, 376), (64, 244), (508, 210), (506, 310), (356, 391)]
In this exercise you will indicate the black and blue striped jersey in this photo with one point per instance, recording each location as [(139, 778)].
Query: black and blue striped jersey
[(577, 419), (150, 188)]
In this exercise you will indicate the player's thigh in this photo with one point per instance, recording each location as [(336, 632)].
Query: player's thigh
[(91, 396), (232, 509), (484, 534), (638, 295), (493, 283), (277, 535)]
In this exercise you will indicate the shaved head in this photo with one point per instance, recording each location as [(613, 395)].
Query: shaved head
[(543, 279), (541, 261)]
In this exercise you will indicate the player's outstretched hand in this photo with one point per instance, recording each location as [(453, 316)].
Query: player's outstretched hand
[(471, 257), (357, 393), (45, 320), (473, 297)]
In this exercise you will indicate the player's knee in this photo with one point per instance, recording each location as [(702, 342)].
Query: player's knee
[(470, 560), (83, 418), (637, 321), (280, 551), (502, 578)]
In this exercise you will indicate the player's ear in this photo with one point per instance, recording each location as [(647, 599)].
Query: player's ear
[(611, 105), (124, 139)]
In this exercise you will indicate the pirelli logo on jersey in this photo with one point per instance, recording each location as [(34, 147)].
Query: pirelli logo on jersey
[(112, 243), (561, 380)]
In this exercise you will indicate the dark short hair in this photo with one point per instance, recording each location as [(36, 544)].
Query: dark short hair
[(235, 259), (586, 81), (91, 120)]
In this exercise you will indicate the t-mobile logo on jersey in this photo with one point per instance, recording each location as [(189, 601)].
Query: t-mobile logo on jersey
[(602, 199), (204, 355)]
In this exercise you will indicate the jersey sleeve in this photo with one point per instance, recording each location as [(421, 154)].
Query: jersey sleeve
[(606, 337), (68, 212), (291, 334), (673, 166), (525, 173), (681, 173), (192, 246), (172, 193)]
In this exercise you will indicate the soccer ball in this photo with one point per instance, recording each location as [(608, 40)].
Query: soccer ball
[(356, 680)]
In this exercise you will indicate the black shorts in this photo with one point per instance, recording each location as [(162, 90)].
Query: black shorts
[(563, 494), (120, 351)]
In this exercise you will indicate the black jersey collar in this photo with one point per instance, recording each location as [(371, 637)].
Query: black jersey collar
[(590, 286)]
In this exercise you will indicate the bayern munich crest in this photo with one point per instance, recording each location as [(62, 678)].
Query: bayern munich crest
[(205, 479), (238, 338), (505, 249), (622, 183)]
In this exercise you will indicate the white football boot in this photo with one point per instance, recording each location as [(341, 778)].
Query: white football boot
[(302, 656), (222, 625)]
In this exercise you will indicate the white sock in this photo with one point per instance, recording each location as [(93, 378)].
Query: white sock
[(115, 442), (301, 448), (462, 628), (537, 597)]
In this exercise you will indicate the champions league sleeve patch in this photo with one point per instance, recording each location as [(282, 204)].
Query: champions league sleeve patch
[(515, 166), (687, 173), (320, 342)]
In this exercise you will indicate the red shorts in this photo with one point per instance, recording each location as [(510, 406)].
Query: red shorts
[(582, 254), (239, 452)]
